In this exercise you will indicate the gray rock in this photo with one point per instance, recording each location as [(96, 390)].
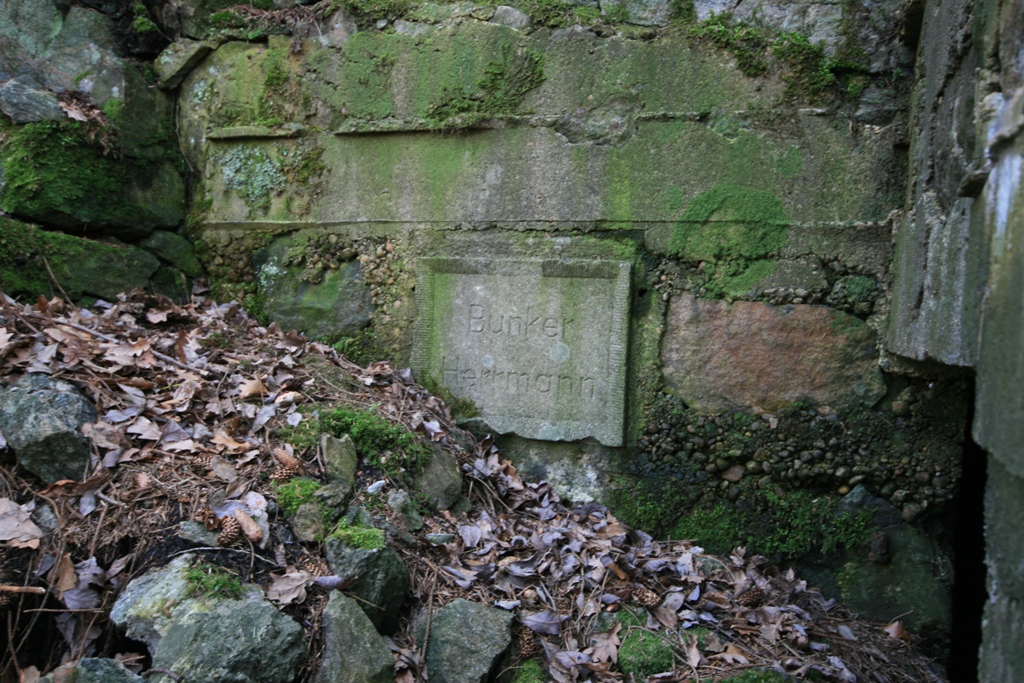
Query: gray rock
[(401, 503), (25, 104), (194, 532), (308, 521), (331, 304), (178, 59), (511, 17), (641, 12), (466, 640), (383, 580), (42, 419), (93, 670), (174, 249), (340, 459), (440, 481), (353, 650), (208, 638)]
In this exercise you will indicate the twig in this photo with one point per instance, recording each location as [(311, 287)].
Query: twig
[(165, 672), (56, 282), (10, 646), (35, 590)]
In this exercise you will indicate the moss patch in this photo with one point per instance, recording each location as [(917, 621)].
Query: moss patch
[(499, 91), (208, 580), (732, 231), (368, 538), (81, 266), (292, 494), (643, 653), (56, 173), (531, 671)]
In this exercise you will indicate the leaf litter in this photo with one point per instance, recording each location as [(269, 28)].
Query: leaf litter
[(194, 400)]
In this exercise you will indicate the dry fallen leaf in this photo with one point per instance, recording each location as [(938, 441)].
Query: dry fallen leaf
[(732, 655), (896, 630), (252, 387), (289, 588), (16, 525)]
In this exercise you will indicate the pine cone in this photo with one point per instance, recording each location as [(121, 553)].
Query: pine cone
[(207, 517), (645, 597), (315, 566), (284, 473), (529, 645), (230, 531), (750, 598)]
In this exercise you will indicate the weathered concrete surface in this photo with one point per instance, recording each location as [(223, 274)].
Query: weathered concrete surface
[(686, 131), (745, 355)]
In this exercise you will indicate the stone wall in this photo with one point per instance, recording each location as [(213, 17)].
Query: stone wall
[(402, 187), (957, 292)]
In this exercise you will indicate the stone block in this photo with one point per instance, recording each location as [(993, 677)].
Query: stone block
[(538, 346), (719, 356)]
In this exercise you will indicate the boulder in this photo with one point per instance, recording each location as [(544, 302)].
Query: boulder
[(59, 173), (745, 355), (382, 584), (41, 419), (174, 249), (511, 17), (641, 12), (440, 481), (208, 637), (178, 59), (83, 267), (353, 650), (24, 104), (466, 641)]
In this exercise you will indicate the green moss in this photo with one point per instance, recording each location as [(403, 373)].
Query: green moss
[(682, 11), (531, 671), (733, 231), (790, 163), (113, 109), (810, 72), (793, 524), (499, 91), (378, 441), (369, 12), (749, 44), (293, 493), (142, 24), (55, 171), (208, 580), (369, 538), (643, 653)]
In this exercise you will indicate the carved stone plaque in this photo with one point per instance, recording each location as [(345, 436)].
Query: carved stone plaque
[(538, 346)]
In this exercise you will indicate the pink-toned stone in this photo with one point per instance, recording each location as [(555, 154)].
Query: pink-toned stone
[(718, 356)]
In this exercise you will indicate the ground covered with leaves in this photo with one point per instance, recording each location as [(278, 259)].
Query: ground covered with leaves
[(204, 414)]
